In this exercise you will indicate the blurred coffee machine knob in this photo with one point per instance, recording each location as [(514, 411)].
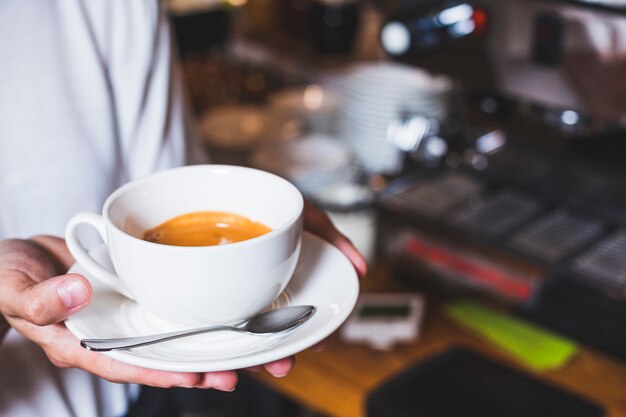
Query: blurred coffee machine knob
[(420, 137)]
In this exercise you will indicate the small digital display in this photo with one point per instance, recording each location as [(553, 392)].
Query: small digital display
[(384, 311)]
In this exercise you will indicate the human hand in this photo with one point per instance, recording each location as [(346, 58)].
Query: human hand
[(36, 296), (318, 223)]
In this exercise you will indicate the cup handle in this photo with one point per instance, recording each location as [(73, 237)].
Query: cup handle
[(82, 256)]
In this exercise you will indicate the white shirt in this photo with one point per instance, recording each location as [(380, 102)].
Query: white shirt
[(88, 101)]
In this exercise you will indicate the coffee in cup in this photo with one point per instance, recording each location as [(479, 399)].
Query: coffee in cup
[(205, 228), (197, 284)]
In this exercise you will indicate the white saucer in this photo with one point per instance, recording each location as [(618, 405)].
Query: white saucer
[(324, 278)]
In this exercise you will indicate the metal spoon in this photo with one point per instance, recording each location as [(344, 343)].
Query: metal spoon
[(265, 323)]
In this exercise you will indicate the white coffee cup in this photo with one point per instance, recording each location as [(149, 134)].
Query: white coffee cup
[(202, 284)]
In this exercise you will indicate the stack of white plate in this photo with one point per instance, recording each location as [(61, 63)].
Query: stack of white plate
[(313, 162), (378, 96)]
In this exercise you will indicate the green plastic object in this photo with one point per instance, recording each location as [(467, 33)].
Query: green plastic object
[(536, 347)]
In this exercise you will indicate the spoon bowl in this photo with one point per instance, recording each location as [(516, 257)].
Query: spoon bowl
[(271, 322)]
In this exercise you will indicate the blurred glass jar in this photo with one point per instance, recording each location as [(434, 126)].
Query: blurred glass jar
[(316, 106), (231, 134), (351, 208)]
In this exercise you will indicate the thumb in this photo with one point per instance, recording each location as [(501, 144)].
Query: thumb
[(53, 300)]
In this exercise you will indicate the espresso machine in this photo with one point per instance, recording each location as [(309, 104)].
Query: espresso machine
[(528, 202)]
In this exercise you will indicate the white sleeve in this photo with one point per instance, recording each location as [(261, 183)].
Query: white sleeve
[(154, 127)]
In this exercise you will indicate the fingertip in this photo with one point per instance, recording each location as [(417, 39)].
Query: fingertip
[(359, 265), (355, 257), (84, 281), (320, 346), (80, 277), (280, 368), (186, 380), (75, 292), (222, 381), (53, 300)]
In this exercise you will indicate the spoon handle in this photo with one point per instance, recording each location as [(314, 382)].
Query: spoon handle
[(105, 345)]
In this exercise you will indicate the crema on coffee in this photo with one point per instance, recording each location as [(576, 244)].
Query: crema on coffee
[(205, 228)]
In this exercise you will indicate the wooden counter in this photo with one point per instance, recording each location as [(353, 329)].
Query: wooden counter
[(336, 381)]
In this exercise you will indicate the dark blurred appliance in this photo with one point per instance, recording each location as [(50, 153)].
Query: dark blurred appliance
[(334, 25), (201, 31), (566, 59), (430, 26), (541, 221), (461, 382)]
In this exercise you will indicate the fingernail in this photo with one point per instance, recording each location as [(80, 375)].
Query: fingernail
[(73, 293)]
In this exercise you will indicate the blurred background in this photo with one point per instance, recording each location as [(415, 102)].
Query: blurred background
[(475, 153)]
